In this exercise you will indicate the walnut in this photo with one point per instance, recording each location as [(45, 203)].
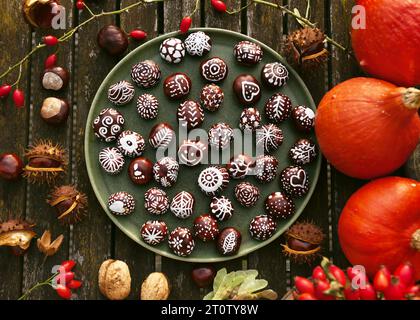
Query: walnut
[(114, 279), (155, 287)]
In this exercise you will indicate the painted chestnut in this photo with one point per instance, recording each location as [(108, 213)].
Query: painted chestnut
[(203, 276), (55, 78), (10, 166), (113, 40), (140, 170), (54, 110)]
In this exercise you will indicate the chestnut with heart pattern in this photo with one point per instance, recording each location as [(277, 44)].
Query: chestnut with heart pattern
[(294, 181), (247, 89)]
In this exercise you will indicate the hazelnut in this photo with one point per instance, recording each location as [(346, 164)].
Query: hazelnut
[(55, 78), (155, 287), (113, 40), (114, 279), (54, 110)]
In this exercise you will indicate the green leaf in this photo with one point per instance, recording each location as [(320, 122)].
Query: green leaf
[(296, 11), (251, 285), (225, 288), (267, 294), (209, 296), (221, 274)]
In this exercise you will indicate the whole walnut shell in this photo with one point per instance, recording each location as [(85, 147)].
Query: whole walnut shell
[(114, 279), (155, 287)]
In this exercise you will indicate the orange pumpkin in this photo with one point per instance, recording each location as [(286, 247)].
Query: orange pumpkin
[(368, 128), (389, 47), (380, 225)]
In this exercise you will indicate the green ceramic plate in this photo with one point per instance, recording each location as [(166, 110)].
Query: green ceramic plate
[(104, 185)]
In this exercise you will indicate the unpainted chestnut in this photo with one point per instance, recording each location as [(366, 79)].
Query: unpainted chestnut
[(113, 40), (10, 166), (54, 110), (55, 78), (203, 276)]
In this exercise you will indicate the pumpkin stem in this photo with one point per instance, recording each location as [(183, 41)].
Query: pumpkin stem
[(415, 240), (411, 98)]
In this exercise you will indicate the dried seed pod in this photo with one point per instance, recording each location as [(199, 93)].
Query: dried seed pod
[(48, 247), (71, 205), (46, 162), (303, 242), (306, 47), (16, 234)]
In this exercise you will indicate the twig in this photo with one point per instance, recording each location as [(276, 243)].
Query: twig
[(67, 35), (298, 17)]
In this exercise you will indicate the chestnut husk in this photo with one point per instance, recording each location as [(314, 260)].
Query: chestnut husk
[(38, 13), (51, 84), (113, 40), (303, 242), (46, 162), (70, 204), (16, 234), (305, 48), (54, 110)]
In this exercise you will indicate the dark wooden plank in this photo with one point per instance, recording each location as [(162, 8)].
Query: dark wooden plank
[(175, 10), (92, 238), (178, 272), (13, 129), (37, 209), (343, 67), (216, 19), (269, 261), (140, 261), (316, 80)]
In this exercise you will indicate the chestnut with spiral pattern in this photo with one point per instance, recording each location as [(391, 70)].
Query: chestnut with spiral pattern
[(247, 194), (108, 124), (146, 74)]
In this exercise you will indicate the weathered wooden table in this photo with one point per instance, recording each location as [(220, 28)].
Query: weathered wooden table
[(96, 238)]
